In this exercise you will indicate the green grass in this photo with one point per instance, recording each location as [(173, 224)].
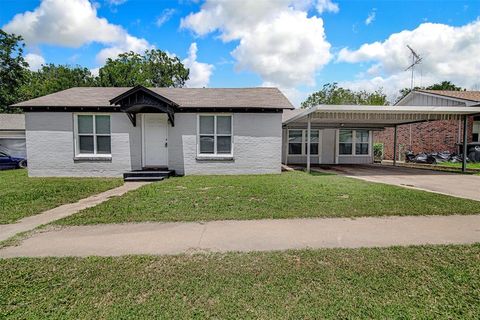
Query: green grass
[(21, 196), (470, 165), (394, 283), (289, 195)]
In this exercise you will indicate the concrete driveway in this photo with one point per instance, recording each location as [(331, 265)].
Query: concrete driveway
[(454, 184)]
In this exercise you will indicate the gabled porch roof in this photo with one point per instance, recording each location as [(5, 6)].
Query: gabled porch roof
[(141, 99)]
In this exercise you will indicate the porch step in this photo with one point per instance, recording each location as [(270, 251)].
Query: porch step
[(143, 178), (148, 175)]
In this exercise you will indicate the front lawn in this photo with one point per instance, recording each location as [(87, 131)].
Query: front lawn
[(394, 283), (470, 165), (288, 195), (21, 196)]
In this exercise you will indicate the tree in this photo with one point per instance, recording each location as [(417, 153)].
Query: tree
[(13, 70), (331, 93), (444, 85), (153, 69), (51, 78)]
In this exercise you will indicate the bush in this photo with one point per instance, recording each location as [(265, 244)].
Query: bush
[(378, 152)]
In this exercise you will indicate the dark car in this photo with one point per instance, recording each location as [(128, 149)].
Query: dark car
[(9, 162)]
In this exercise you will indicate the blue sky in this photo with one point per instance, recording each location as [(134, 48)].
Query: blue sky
[(297, 45)]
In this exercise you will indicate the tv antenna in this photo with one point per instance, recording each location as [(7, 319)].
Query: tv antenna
[(416, 59)]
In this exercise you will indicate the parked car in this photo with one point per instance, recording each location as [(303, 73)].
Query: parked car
[(9, 162)]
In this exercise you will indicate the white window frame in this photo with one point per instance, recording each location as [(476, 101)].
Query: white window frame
[(354, 143), (304, 142), (94, 134), (476, 129), (215, 135)]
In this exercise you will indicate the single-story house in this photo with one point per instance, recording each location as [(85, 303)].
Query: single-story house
[(12, 134), (96, 131), (438, 136), (114, 131)]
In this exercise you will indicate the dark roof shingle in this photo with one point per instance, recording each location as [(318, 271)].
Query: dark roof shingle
[(266, 98)]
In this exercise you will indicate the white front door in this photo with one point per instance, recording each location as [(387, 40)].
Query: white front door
[(154, 134)]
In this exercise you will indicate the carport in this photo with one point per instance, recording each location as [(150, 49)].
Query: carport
[(367, 119)]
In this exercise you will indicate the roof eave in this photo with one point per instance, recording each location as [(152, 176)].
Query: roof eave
[(428, 93), (469, 111)]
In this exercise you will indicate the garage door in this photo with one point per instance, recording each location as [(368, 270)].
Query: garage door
[(13, 146)]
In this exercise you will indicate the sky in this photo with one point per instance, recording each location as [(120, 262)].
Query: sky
[(296, 45)]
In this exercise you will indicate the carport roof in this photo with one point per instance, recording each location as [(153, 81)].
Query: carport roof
[(376, 116)]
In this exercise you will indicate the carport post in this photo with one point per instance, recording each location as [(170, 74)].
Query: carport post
[(395, 145), (309, 124), (465, 135)]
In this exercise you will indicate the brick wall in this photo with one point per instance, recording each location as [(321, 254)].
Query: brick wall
[(435, 136)]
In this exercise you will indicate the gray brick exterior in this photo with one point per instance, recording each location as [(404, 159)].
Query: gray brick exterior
[(257, 143), (50, 146)]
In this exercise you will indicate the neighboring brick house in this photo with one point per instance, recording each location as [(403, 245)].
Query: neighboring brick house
[(435, 136)]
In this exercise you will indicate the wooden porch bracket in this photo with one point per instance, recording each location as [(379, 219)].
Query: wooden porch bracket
[(132, 117)]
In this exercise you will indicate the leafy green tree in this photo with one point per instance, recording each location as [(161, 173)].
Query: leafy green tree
[(444, 85), (13, 70), (331, 93), (51, 78), (154, 68)]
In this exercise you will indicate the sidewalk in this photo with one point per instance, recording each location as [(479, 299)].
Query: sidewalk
[(29, 223), (251, 235)]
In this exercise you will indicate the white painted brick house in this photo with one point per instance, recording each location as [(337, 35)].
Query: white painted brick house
[(110, 131)]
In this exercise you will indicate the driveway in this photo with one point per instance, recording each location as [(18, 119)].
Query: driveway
[(453, 184), (249, 235)]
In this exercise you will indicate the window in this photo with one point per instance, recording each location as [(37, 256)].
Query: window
[(361, 142), (295, 138), (215, 134), (354, 142), (297, 142), (93, 134), (345, 142), (313, 141), (476, 130)]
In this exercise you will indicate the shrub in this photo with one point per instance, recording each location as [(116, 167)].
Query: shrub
[(378, 152)]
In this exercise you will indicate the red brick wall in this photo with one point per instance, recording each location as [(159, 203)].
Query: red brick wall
[(434, 136)]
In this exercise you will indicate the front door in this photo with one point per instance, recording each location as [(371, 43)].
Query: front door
[(155, 134)]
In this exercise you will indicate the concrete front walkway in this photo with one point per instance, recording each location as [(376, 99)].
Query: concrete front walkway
[(29, 223), (453, 184), (251, 235)]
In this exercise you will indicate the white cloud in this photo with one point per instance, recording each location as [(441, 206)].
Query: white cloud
[(327, 6), (34, 60), (116, 2), (165, 16), (277, 39), (130, 43), (95, 71), (199, 72), (449, 53), (73, 23), (371, 17)]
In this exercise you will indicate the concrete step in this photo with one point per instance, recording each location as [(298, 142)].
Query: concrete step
[(143, 178), (148, 175)]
